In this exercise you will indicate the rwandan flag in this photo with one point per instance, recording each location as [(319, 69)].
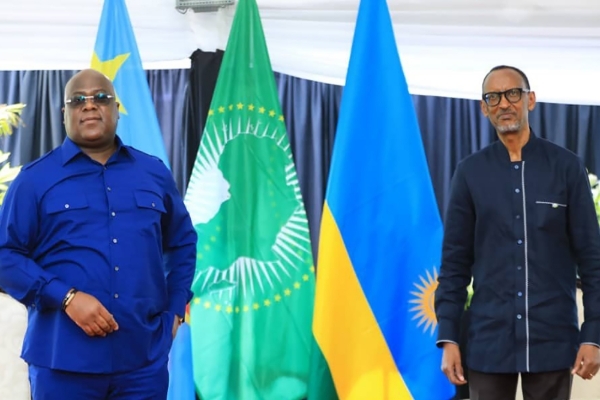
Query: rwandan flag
[(381, 234), (116, 56)]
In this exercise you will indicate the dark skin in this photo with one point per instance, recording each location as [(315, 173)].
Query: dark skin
[(93, 128), (512, 126)]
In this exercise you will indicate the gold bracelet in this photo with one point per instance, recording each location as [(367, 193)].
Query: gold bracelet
[(68, 297)]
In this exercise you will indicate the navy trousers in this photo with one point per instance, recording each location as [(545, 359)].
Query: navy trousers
[(148, 383)]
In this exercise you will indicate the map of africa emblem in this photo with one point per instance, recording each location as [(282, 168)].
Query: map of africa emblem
[(245, 203)]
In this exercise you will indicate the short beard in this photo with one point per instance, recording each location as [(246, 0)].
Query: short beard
[(508, 129)]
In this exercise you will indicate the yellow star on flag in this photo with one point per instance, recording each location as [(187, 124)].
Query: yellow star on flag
[(110, 68)]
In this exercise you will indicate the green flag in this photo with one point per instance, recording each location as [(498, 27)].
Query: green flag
[(254, 285)]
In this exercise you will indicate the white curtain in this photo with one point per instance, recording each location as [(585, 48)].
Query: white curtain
[(446, 46), (14, 382)]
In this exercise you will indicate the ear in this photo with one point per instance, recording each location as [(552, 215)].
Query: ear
[(484, 108), (531, 101), (63, 112)]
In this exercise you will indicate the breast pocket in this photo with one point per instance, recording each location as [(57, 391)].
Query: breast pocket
[(150, 209), (67, 213), (551, 212)]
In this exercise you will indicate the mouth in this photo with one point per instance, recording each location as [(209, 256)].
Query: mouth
[(88, 120), (505, 117)]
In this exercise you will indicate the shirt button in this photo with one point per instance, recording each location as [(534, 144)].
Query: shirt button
[(114, 240), (520, 241), (113, 213), (108, 188), (517, 190), (67, 206), (517, 216), (518, 315), (116, 295), (520, 294), (519, 268), (116, 268), (153, 205), (516, 167)]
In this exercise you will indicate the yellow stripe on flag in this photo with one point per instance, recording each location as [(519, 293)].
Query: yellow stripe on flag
[(353, 345)]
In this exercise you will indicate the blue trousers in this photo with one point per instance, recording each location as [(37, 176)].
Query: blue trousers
[(148, 383)]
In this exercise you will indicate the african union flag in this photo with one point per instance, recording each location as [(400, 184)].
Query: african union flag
[(254, 282)]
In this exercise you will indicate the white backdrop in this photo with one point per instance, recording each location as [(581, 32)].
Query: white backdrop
[(446, 46)]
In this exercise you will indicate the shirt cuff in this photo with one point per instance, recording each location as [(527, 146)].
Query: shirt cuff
[(590, 332), (177, 303), (592, 344), (447, 332), (53, 294)]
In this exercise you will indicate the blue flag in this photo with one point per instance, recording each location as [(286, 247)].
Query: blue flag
[(381, 234), (181, 373), (116, 56)]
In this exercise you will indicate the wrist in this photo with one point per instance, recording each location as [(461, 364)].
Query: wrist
[(68, 298)]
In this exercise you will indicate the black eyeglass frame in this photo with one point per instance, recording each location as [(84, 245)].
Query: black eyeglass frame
[(485, 96)]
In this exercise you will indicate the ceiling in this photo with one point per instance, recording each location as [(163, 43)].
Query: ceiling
[(446, 46)]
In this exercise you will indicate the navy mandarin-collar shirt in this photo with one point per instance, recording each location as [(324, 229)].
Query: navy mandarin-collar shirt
[(521, 230), (119, 232)]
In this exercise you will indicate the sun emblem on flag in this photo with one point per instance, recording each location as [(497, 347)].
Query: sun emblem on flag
[(423, 301)]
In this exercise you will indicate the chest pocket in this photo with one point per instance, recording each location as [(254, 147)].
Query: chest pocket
[(149, 200), (66, 203), (551, 211)]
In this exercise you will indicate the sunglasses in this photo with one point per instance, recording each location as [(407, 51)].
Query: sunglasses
[(101, 99)]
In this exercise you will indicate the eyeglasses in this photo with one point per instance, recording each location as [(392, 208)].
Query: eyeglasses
[(512, 95), (100, 99)]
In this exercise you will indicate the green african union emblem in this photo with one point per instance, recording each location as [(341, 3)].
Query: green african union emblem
[(245, 202)]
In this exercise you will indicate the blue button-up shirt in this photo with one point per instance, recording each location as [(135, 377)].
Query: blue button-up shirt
[(119, 232), (521, 230)]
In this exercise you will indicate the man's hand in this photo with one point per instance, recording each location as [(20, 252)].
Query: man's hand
[(587, 362), (90, 315), (451, 364), (176, 325)]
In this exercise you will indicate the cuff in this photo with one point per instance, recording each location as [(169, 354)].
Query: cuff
[(448, 331), (590, 332), (178, 301), (53, 294)]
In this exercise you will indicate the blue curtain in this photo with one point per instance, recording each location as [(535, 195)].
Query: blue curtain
[(169, 90)]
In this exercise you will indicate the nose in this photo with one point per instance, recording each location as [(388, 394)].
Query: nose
[(89, 103), (504, 103)]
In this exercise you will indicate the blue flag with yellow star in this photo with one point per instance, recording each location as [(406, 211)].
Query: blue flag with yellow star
[(116, 56)]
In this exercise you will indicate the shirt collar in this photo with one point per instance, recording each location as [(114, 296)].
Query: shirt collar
[(70, 150), (526, 151)]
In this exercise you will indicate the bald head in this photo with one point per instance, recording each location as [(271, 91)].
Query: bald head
[(88, 75)]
